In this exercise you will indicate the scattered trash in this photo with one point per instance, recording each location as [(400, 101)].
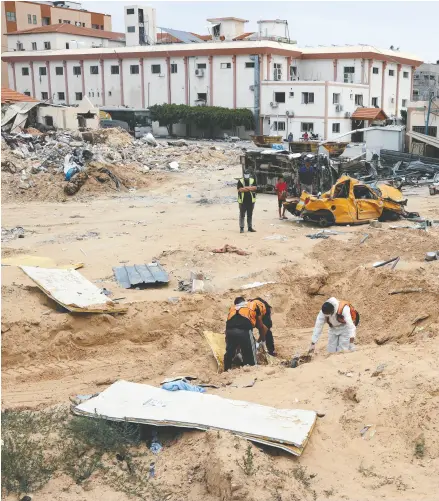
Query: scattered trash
[(152, 470), (314, 236), (231, 249), (431, 256), (287, 429), (379, 370), (156, 446), (404, 291), (16, 232), (106, 292), (179, 142), (383, 263), (197, 282), (366, 236), (364, 430), (178, 378), (150, 139), (254, 285), (184, 286), (71, 290), (182, 384), (174, 166), (140, 274), (420, 318)]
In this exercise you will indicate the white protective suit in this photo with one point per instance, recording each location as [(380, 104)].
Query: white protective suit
[(339, 334)]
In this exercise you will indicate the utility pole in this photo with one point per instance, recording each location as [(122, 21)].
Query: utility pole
[(430, 100)]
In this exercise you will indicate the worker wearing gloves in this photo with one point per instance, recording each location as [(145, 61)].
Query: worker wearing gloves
[(342, 319), (265, 310), (243, 317)]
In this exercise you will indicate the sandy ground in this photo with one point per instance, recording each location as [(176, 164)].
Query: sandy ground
[(48, 356)]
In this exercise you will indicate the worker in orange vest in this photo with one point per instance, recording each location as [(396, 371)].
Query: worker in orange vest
[(342, 319), (243, 317)]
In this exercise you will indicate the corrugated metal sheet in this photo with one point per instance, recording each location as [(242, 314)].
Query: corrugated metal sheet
[(287, 429), (184, 36), (130, 276)]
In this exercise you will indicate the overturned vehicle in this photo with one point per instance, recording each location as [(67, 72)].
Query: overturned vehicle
[(350, 201)]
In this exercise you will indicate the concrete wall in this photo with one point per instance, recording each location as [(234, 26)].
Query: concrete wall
[(58, 41), (64, 118)]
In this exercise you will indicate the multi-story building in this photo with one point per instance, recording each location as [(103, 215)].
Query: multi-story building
[(291, 89), (18, 16), (426, 82)]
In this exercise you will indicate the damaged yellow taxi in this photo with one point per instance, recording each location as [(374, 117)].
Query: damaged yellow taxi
[(350, 201)]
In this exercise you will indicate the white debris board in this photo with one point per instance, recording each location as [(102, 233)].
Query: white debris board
[(71, 290), (287, 429)]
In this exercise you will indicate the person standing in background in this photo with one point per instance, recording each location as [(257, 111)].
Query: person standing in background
[(306, 175), (246, 198), (290, 141), (281, 190)]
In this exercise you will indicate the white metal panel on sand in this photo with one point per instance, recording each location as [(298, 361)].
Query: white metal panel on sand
[(288, 429), (70, 289)]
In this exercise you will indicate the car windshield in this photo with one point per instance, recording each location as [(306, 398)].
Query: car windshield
[(342, 190)]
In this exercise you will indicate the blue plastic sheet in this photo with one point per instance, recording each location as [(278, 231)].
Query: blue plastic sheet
[(182, 385)]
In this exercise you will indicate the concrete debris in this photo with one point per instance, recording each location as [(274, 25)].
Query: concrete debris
[(173, 166), (431, 256), (12, 234)]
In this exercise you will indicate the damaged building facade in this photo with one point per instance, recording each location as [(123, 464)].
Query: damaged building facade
[(290, 89)]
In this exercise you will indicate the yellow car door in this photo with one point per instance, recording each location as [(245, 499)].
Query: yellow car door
[(368, 205)]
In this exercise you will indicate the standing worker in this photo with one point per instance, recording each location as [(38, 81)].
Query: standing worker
[(281, 190), (243, 317), (342, 319), (290, 141), (246, 198), (306, 175)]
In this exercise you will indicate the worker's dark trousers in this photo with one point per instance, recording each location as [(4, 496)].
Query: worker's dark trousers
[(290, 147), (269, 341), (245, 340), (243, 209)]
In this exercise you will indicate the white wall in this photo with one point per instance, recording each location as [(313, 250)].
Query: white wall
[(58, 41), (64, 118), (376, 82), (245, 77)]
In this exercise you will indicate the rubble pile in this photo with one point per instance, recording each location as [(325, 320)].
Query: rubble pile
[(46, 166)]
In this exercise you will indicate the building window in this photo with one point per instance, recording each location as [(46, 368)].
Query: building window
[(278, 126), (45, 21), (202, 96), (277, 71), (336, 127), (76, 70), (226, 66), (10, 16), (25, 71), (155, 69), (405, 74), (307, 97), (293, 72), (59, 21), (130, 11), (359, 99), (307, 127), (34, 45), (134, 69), (335, 98), (349, 69), (115, 70), (78, 96), (131, 29), (391, 73), (34, 17), (44, 96), (59, 70), (404, 103), (431, 131), (67, 45), (348, 76), (47, 45), (201, 66), (291, 94), (173, 68), (102, 27), (19, 46), (27, 93), (375, 70), (48, 120), (61, 96), (250, 65), (109, 92), (94, 70), (29, 19), (279, 97), (375, 102), (42, 71)]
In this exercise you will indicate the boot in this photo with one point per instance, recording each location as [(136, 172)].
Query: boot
[(252, 230), (241, 230)]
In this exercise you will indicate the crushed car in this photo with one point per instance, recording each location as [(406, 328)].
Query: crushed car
[(350, 201)]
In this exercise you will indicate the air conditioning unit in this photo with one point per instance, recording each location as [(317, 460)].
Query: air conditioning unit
[(252, 87), (273, 104), (338, 107), (289, 113), (199, 73), (347, 114), (278, 74), (348, 78)]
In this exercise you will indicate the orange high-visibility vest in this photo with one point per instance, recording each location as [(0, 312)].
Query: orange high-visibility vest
[(248, 312)]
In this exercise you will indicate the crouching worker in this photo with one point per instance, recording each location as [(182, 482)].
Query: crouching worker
[(342, 319), (243, 317), (265, 309)]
